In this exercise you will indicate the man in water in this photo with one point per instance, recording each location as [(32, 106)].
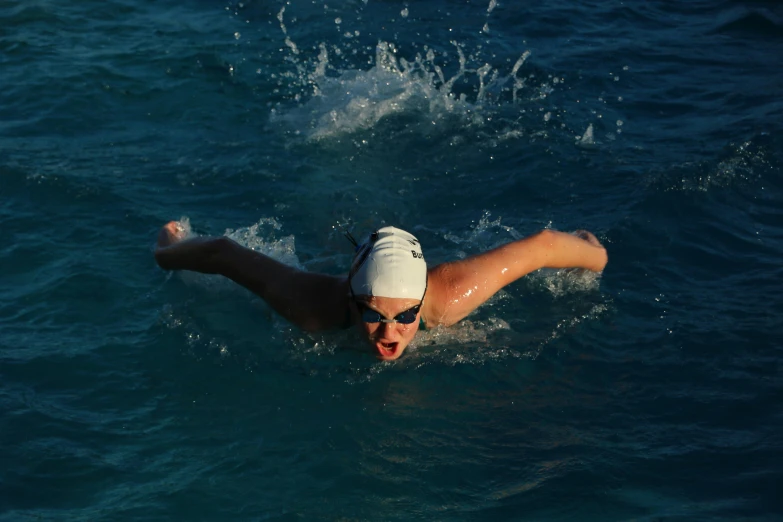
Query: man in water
[(389, 290)]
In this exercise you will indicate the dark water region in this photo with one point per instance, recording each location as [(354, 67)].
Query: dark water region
[(652, 392)]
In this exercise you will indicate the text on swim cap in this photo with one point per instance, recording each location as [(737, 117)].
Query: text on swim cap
[(417, 255)]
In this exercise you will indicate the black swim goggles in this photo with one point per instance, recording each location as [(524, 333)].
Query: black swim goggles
[(371, 316)]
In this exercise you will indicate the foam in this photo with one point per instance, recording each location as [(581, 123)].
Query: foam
[(260, 237), (348, 99)]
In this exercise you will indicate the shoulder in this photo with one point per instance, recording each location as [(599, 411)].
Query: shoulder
[(440, 287)]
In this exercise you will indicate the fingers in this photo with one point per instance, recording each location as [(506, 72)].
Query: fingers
[(174, 228), (172, 232), (588, 236)]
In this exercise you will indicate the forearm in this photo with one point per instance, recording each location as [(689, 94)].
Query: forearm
[(553, 249), (544, 249), (260, 274), (457, 288), (198, 254), (311, 301)]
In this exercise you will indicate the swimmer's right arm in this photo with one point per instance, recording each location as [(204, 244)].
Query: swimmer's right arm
[(311, 301)]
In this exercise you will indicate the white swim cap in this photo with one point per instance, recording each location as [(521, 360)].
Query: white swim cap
[(389, 264)]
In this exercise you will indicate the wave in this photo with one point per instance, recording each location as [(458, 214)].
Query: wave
[(754, 24)]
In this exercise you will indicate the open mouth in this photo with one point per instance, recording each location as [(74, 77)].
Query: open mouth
[(386, 350)]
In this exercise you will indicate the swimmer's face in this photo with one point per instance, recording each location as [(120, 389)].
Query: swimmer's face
[(388, 340)]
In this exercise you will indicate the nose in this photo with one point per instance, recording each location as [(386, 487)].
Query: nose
[(387, 330)]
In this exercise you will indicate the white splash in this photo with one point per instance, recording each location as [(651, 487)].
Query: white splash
[(567, 281), (259, 237), (289, 43), (586, 140), (353, 100), (486, 234), (465, 332), (518, 83), (492, 5)]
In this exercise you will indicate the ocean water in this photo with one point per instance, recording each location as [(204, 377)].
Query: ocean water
[(652, 392)]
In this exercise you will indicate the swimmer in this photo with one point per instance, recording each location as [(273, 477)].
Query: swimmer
[(389, 291)]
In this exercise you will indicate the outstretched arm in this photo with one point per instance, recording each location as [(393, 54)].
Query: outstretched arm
[(311, 301), (457, 288)]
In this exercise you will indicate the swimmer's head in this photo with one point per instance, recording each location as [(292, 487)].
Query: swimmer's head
[(388, 281), (389, 264)]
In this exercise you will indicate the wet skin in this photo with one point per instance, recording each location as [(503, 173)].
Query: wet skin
[(388, 340), (316, 302)]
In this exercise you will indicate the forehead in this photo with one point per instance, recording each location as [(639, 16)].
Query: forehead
[(390, 306)]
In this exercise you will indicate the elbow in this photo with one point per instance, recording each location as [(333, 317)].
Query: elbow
[(546, 236)]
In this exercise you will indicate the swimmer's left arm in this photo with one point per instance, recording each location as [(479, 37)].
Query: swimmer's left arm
[(457, 288)]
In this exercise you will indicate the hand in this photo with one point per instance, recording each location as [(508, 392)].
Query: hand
[(179, 249), (173, 232), (589, 237)]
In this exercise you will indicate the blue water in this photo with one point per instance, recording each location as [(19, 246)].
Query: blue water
[(650, 393)]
